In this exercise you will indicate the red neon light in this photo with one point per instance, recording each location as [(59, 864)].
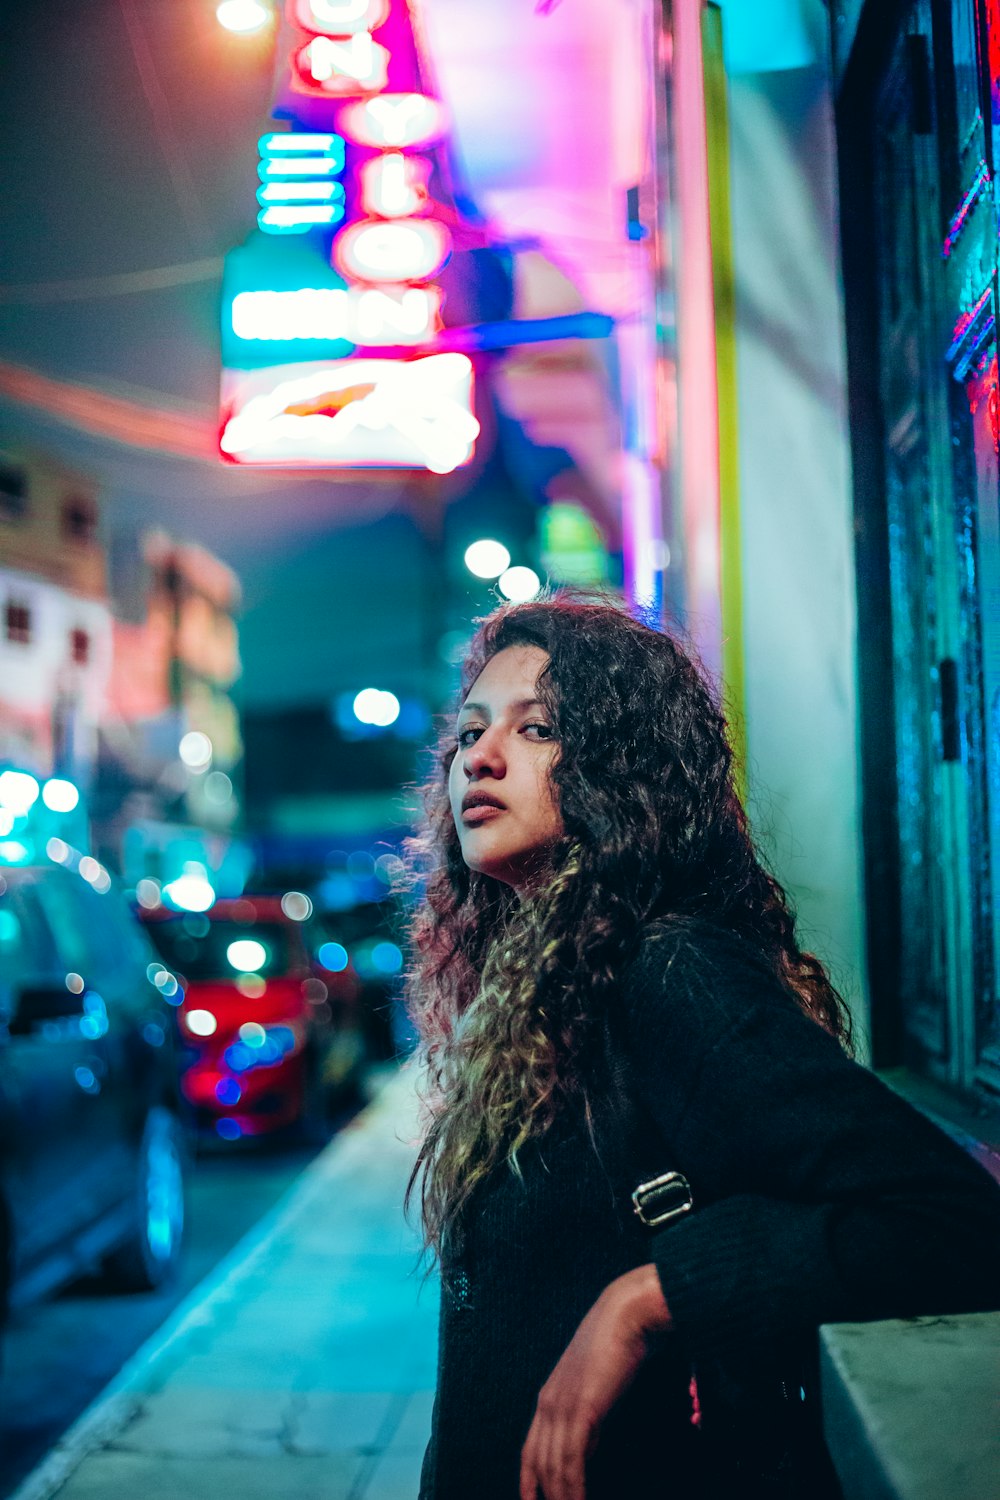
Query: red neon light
[(337, 67)]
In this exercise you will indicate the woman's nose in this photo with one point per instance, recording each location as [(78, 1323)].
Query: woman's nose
[(485, 757)]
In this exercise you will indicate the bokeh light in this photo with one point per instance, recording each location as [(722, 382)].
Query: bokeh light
[(201, 1022), (247, 955), (487, 558), (191, 891), (519, 584), (218, 788), (333, 956), (18, 791), (243, 16), (59, 795), (387, 958), (296, 906), (147, 893), (195, 750), (376, 707)]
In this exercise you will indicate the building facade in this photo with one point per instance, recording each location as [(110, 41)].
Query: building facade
[(55, 620), (827, 224), (918, 96)]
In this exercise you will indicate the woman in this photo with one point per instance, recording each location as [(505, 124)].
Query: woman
[(609, 989)]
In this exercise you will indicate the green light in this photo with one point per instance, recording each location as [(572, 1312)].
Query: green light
[(572, 547)]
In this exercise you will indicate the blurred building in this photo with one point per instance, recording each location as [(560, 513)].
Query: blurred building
[(55, 620), (169, 790)]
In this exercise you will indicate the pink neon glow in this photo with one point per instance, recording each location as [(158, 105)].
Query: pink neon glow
[(393, 186), (699, 409), (392, 250), (394, 121), (341, 66), (338, 17), (980, 183)]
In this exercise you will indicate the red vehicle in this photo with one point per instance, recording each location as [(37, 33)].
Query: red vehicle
[(270, 1033)]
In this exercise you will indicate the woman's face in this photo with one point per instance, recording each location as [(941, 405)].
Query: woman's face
[(501, 799)]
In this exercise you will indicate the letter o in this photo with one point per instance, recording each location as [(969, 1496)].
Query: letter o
[(400, 250)]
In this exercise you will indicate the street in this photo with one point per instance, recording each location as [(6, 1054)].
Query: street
[(58, 1354)]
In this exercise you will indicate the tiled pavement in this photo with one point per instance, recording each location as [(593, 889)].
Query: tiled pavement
[(303, 1368)]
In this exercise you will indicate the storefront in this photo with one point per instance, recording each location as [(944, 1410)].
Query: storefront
[(917, 112)]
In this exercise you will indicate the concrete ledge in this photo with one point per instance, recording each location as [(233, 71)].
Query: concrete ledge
[(911, 1407)]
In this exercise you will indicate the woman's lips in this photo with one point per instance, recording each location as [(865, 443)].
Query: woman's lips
[(481, 812)]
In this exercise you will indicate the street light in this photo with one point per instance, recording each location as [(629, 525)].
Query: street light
[(243, 16)]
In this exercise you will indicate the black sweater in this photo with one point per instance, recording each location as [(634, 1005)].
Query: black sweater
[(820, 1196)]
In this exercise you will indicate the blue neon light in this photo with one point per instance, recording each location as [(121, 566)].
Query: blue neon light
[(294, 143), (290, 219)]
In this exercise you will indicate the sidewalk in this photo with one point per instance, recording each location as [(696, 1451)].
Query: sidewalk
[(303, 1367)]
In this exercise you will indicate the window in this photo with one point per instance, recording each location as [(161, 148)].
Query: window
[(13, 493), (80, 647), (79, 519), (18, 618)]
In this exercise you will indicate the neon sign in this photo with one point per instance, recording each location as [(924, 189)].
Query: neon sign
[(339, 17), (298, 192), (347, 178), (395, 120), (387, 250), (372, 315), (361, 411), (342, 65), (394, 186)]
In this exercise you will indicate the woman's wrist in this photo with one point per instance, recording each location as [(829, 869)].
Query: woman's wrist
[(641, 1300)]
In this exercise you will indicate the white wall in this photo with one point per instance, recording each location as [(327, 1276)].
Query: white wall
[(35, 674), (796, 507)]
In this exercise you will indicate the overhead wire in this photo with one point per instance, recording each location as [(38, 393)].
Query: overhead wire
[(176, 163)]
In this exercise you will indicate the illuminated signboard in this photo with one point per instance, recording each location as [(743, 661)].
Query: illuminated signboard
[(328, 312), (409, 413), (299, 189)]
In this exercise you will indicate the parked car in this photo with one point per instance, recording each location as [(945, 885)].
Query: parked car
[(271, 1035), (92, 1139)]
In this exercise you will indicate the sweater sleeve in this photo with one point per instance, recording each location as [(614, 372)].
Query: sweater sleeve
[(820, 1196)]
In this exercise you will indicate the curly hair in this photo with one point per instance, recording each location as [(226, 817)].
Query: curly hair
[(506, 995)]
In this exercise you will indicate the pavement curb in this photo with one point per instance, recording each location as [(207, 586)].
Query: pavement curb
[(121, 1400)]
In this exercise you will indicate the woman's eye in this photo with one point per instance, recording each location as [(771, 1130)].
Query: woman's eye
[(468, 736), (539, 731)]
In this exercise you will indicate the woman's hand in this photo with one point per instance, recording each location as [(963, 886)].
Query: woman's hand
[(599, 1365)]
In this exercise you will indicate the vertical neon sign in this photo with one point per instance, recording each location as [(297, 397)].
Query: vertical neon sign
[(353, 95)]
